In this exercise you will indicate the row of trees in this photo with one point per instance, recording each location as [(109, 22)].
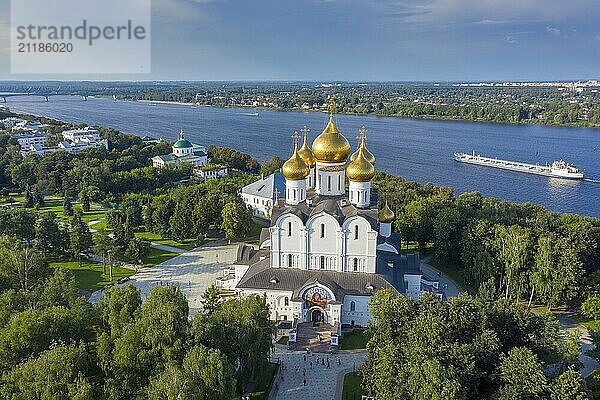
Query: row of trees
[(526, 250), (467, 348), (54, 345)]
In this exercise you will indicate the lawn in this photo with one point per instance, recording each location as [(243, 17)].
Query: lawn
[(352, 389), (264, 382), (357, 339), (188, 244), (454, 273), (89, 275), (56, 206), (283, 340), (157, 256)]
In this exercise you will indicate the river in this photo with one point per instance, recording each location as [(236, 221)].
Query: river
[(419, 150)]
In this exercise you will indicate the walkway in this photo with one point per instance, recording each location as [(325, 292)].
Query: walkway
[(453, 289), (321, 382), (169, 249), (193, 271)]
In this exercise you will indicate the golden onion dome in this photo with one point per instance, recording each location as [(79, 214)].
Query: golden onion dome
[(295, 168), (386, 215), (331, 146), (368, 155), (306, 154), (360, 170)]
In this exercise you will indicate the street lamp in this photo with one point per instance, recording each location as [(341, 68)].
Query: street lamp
[(109, 264)]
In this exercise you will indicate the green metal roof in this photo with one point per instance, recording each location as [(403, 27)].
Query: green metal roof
[(182, 143)]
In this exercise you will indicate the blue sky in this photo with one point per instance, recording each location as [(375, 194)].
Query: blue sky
[(365, 40)]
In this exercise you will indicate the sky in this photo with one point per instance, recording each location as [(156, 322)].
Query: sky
[(363, 40)]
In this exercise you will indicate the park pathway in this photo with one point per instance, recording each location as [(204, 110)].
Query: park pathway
[(452, 288), (193, 271), (321, 382)]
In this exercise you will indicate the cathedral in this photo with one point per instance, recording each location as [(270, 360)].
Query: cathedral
[(330, 244)]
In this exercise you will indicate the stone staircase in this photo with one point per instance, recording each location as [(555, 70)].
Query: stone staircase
[(316, 338)]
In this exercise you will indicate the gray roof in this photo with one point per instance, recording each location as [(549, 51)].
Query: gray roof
[(266, 187), (337, 206), (260, 276)]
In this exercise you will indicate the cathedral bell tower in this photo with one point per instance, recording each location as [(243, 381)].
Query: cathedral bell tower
[(331, 150)]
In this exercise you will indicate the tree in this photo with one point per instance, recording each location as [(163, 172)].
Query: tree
[(210, 299), (81, 237), (556, 272), (68, 207), (205, 374), (84, 200), (237, 219), (131, 206), (48, 236), (104, 245), (271, 166), (522, 376), (568, 386), (447, 234), (138, 249), (514, 246), (23, 267), (591, 306), (58, 373), (250, 332)]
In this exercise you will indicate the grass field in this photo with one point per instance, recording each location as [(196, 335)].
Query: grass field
[(188, 244), (89, 275), (354, 340), (157, 256), (283, 340), (352, 389)]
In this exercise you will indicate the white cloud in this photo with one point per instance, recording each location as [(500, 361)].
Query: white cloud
[(553, 31)]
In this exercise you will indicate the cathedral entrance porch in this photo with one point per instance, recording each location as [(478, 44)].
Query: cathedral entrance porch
[(316, 338), (316, 315)]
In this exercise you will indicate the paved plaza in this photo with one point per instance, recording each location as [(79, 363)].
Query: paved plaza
[(321, 382), (193, 271)]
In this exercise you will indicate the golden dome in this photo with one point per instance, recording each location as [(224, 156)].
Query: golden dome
[(330, 146), (305, 153), (295, 168), (368, 155), (360, 170), (386, 215)]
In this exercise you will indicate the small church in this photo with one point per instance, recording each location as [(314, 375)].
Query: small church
[(183, 151), (330, 245)]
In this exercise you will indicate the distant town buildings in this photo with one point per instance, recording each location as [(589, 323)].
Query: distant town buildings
[(32, 141), (183, 151)]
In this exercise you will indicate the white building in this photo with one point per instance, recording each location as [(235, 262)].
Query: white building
[(183, 151), (12, 121), (262, 194), (329, 247), (26, 140), (211, 171), (86, 134), (74, 141)]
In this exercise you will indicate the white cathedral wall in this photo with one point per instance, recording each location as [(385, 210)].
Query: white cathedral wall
[(324, 242), (361, 315), (363, 246), (286, 242), (279, 311)]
